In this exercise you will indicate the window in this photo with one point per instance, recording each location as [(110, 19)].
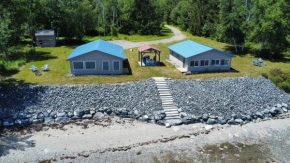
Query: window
[(215, 62), (194, 63), (78, 65), (191, 63), (106, 66), (206, 62), (116, 65), (222, 62), (225, 62), (202, 63), (90, 65)]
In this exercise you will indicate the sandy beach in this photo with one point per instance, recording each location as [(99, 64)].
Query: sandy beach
[(125, 140)]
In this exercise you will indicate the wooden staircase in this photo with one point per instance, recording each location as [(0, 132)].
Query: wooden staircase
[(168, 105)]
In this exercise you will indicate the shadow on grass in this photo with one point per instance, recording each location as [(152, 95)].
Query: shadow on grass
[(71, 43), (280, 60), (9, 72), (8, 143), (232, 70), (126, 65), (161, 64), (14, 82), (231, 49), (29, 56), (10, 64)]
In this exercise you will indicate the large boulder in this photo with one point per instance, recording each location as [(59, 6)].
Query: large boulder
[(174, 122), (99, 115), (62, 119)]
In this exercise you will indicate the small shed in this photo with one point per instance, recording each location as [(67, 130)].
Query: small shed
[(190, 56), (97, 58), (145, 60), (45, 38)]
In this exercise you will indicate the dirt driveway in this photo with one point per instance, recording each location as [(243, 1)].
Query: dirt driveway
[(128, 44)]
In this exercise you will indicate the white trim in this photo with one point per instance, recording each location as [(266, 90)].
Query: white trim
[(113, 67), (103, 65), (74, 65)]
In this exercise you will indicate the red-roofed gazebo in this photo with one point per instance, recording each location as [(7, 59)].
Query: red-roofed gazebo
[(145, 60)]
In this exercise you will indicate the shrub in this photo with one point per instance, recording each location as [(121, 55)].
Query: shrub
[(265, 75), (277, 80), (278, 72), (286, 87), (288, 78)]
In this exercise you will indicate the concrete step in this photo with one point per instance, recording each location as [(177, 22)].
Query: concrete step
[(169, 106), (172, 113), (165, 95), (176, 116), (169, 110), (167, 118)]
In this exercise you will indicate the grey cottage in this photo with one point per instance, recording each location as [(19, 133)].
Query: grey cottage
[(195, 57)]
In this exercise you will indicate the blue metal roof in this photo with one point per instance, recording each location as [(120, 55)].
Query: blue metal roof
[(98, 45), (190, 48)]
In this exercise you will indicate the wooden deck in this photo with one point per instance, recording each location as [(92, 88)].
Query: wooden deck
[(182, 70)]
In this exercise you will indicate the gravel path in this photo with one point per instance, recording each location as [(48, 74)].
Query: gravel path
[(226, 96), (128, 44)]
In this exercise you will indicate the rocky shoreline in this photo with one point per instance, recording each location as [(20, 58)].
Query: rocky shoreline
[(225, 101)]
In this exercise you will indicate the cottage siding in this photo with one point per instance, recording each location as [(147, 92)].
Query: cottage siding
[(211, 55), (47, 41), (176, 58), (97, 57)]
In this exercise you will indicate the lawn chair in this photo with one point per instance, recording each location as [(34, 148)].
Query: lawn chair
[(33, 68), (45, 68), (261, 62), (256, 63)]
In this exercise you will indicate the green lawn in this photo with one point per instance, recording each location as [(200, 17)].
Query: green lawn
[(60, 67), (56, 58), (165, 33)]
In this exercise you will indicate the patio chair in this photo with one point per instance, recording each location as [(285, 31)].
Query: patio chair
[(45, 68), (262, 62), (256, 63), (33, 68)]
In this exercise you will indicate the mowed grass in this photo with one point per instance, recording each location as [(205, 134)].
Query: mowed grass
[(60, 67), (165, 33)]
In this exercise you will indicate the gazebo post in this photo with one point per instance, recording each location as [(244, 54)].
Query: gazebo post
[(159, 58), (141, 58)]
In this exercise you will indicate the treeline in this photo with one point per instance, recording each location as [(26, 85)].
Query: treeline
[(265, 23), (77, 18)]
